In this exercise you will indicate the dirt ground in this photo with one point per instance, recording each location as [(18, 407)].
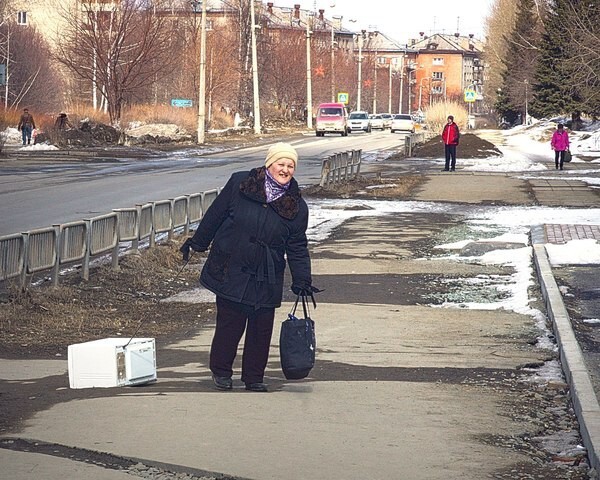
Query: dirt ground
[(42, 321)]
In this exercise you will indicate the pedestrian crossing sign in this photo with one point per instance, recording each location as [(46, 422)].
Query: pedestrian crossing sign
[(470, 95), (342, 98)]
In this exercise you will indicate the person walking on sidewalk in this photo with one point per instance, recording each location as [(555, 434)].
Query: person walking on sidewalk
[(257, 221), (560, 144), (26, 126), (450, 136)]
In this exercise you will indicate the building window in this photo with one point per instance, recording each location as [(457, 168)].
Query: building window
[(438, 61), (437, 75), (438, 90), (21, 18)]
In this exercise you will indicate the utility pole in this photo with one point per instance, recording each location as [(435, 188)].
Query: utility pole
[(360, 45), (202, 81), (526, 102), (401, 83), (375, 85), (332, 62), (390, 89), (256, 96), (308, 76)]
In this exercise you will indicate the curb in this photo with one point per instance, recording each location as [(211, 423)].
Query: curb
[(583, 396)]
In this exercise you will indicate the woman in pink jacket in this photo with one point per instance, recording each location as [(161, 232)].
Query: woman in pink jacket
[(560, 144)]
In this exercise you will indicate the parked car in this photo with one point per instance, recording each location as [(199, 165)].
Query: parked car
[(376, 122), (402, 123), (359, 121), (387, 120), (331, 118)]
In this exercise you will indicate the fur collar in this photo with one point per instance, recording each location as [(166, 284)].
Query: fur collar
[(286, 206)]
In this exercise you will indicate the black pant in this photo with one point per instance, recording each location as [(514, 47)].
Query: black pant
[(450, 154), (232, 319), (557, 154)]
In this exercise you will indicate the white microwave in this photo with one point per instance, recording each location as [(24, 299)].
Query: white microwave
[(112, 362)]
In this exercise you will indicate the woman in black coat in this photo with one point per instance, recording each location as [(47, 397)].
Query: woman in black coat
[(257, 221)]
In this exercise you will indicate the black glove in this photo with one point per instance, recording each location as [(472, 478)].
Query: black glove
[(185, 249), (305, 291)]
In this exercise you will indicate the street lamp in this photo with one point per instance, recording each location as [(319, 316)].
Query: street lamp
[(256, 96), (202, 81)]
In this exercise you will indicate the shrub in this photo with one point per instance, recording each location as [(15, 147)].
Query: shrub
[(436, 116)]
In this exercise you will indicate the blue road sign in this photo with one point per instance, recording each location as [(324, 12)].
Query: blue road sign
[(181, 102)]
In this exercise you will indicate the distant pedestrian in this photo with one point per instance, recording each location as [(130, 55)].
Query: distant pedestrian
[(450, 136), (26, 126), (62, 122), (560, 144)]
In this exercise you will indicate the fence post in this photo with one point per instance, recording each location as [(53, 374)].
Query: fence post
[(23, 276), (85, 266), (115, 250), (58, 249), (186, 227)]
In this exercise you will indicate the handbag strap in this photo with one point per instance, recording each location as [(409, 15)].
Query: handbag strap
[(305, 306)]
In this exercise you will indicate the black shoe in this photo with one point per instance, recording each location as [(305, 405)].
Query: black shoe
[(257, 387), (222, 383), (453, 169), (445, 170)]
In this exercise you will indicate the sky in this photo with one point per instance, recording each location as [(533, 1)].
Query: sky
[(404, 19)]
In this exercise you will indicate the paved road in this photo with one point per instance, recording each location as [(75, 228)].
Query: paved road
[(41, 189)]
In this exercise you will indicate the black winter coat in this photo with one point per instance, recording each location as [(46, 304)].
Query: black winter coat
[(251, 240)]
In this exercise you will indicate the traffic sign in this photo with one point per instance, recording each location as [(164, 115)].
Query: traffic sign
[(470, 95), (181, 102), (343, 98)]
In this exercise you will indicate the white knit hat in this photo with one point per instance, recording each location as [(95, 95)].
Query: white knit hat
[(281, 150)]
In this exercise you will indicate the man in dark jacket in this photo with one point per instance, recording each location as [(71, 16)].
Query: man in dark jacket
[(257, 222), (450, 136), (26, 126)]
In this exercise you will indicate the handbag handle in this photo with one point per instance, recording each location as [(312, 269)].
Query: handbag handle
[(305, 306)]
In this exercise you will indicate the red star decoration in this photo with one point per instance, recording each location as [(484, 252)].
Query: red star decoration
[(320, 71), (368, 83)]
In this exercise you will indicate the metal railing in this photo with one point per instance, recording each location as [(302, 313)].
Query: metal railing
[(411, 140), (51, 248), (340, 167)]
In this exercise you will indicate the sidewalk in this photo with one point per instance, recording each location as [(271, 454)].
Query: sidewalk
[(400, 390)]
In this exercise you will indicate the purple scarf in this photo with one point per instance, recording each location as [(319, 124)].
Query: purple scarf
[(274, 189)]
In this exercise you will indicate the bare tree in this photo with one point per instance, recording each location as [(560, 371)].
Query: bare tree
[(499, 24), (29, 77), (118, 47)]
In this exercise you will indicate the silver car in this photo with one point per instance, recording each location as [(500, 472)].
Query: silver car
[(376, 122), (359, 122), (402, 123), (387, 120)]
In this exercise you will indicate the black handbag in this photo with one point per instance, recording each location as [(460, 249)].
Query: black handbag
[(297, 343), (568, 156)]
